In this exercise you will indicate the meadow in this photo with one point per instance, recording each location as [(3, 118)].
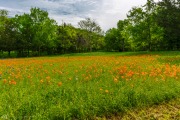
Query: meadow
[(86, 86)]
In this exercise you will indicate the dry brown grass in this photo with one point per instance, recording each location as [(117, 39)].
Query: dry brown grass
[(165, 111)]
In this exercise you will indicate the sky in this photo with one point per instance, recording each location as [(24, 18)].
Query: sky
[(105, 12)]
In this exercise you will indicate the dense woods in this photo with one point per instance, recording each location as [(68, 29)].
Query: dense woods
[(153, 26)]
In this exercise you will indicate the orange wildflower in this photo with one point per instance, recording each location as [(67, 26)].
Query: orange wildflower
[(106, 91), (12, 82), (4, 81), (86, 78), (130, 73), (59, 84), (115, 80), (48, 78), (41, 81), (144, 73), (29, 76), (60, 72)]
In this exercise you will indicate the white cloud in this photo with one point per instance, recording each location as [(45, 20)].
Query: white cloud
[(105, 12)]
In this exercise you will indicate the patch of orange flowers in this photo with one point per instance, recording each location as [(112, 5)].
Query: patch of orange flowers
[(86, 69), (12, 82)]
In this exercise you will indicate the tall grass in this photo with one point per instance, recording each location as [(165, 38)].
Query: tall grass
[(84, 87)]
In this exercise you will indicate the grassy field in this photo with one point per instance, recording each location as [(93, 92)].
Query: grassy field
[(87, 85)]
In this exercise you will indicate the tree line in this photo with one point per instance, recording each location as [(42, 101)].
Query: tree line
[(35, 33), (153, 26)]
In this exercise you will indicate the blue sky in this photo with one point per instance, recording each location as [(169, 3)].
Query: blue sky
[(105, 12)]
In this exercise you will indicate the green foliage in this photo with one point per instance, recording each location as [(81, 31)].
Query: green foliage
[(35, 33), (145, 32), (66, 36), (24, 38), (151, 27), (111, 39), (168, 17), (7, 32), (43, 29), (93, 35), (154, 26), (114, 39)]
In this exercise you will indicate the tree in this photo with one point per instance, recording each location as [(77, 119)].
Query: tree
[(43, 29), (111, 40), (65, 37), (36, 32), (92, 28), (120, 25), (25, 33), (127, 36), (90, 25), (168, 17), (144, 29), (114, 38), (81, 41), (3, 19), (8, 32)]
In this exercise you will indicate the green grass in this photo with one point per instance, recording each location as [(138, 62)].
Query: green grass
[(93, 85), (161, 53), (164, 111)]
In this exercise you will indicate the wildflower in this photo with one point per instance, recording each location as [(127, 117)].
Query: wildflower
[(41, 81), (130, 73), (144, 73), (59, 84), (60, 72), (86, 78), (0, 74), (48, 78), (4, 81), (106, 91), (12, 82), (115, 80), (29, 76)]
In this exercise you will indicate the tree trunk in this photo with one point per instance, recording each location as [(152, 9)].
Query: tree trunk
[(149, 37), (28, 52), (9, 53), (123, 45), (90, 49), (39, 51)]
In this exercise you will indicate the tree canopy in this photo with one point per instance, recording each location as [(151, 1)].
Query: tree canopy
[(36, 33), (153, 26)]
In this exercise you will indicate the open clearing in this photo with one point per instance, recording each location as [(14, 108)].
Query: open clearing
[(91, 86)]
